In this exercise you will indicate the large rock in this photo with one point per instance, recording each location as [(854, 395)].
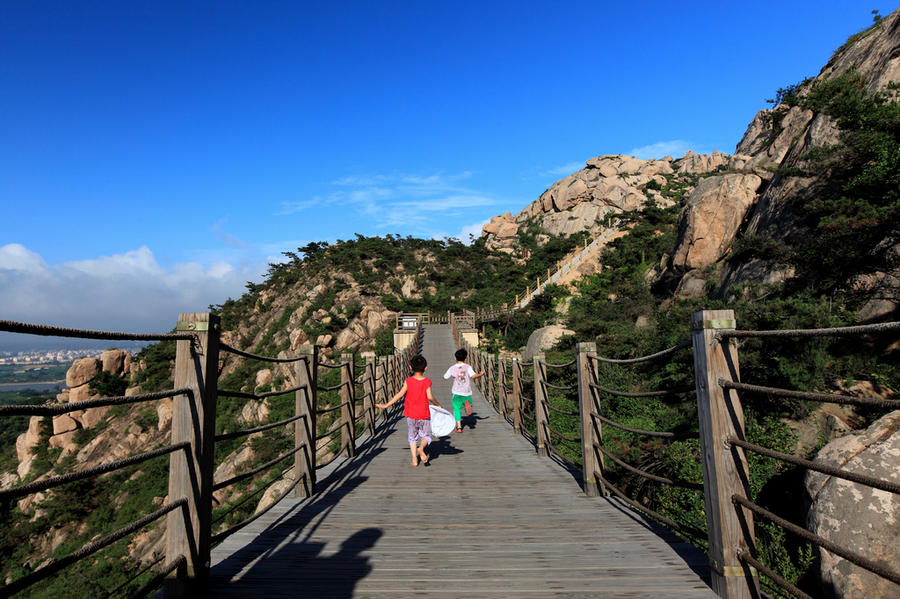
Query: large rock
[(82, 371), (113, 360), (857, 517), (712, 218), (543, 339)]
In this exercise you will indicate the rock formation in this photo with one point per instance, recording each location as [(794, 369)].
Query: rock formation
[(874, 529)]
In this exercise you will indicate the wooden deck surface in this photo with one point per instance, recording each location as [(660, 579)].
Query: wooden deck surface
[(486, 518)]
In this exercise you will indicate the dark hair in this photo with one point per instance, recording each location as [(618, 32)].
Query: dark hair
[(461, 355), (418, 363)]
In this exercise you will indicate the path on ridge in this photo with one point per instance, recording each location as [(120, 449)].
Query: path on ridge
[(486, 518)]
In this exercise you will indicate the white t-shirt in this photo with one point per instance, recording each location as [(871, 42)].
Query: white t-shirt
[(462, 381)]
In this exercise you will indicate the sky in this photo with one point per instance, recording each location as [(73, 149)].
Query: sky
[(157, 156)]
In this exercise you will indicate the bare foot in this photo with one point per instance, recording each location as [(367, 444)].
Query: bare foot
[(423, 456), (414, 464)]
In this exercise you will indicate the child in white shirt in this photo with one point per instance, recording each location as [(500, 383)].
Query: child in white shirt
[(462, 375)]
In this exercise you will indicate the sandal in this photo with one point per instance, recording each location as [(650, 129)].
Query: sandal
[(459, 430)]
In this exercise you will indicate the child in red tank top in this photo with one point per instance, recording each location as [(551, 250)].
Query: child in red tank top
[(417, 391)]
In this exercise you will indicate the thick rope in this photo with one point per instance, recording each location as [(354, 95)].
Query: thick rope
[(664, 352), (664, 392), (639, 472), (868, 329), (558, 411), (159, 578), (91, 548), (227, 533), (234, 350), (42, 485), (558, 366), (818, 467), (89, 403), (258, 429), (859, 560), (249, 473), (258, 396), (48, 331), (745, 557), (560, 435), (887, 404), (689, 530), (661, 435)]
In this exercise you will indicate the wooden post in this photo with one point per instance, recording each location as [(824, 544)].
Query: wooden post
[(348, 410), (305, 428), (189, 530), (502, 396), (517, 393), (725, 470), (369, 394), (380, 386), (590, 429), (540, 409)]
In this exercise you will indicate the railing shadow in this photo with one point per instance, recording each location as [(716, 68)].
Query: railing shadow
[(283, 560)]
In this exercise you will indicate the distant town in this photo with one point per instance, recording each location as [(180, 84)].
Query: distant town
[(37, 357)]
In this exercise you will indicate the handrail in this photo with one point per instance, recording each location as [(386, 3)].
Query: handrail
[(707, 338), (86, 404), (10, 326)]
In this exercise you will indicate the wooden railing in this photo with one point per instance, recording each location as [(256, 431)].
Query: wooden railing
[(538, 405), (189, 510)]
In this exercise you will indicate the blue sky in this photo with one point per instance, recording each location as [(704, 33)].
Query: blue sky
[(156, 156)]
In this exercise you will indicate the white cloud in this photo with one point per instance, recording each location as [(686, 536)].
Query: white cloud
[(473, 229), (566, 170), (127, 292), (675, 149)]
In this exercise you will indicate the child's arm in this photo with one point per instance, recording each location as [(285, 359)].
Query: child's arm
[(394, 399), (431, 398), (475, 376)]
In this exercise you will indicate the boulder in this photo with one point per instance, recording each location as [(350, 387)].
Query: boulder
[(29, 439), (873, 530), (80, 393), (263, 377), (113, 360), (543, 339), (64, 423), (712, 217), (164, 408), (254, 411), (82, 371), (298, 337), (92, 416)]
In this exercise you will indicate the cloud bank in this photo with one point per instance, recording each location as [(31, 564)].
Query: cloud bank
[(127, 292)]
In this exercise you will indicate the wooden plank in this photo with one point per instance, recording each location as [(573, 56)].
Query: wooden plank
[(486, 518)]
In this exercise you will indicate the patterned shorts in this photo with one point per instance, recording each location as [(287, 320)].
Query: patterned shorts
[(418, 429)]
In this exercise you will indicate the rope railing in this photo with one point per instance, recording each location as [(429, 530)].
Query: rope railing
[(658, 434), (645, 474), (56, 481), (559, 411), (234, 350), (245, 475), (195, 396), (157, 580), (869, 329), (868, 402), (661, 393), (218, 538), (258, 429), (25, 328), (850, 556), (87, 404), (688, 530), (862, 479), (86, 551), (655, 356), (745, 557), (258, 396)]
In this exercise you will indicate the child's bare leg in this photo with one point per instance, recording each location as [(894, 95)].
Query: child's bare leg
[(412, 449), (422, 445)]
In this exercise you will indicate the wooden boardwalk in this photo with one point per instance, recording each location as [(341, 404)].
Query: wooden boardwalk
[(486, 518)]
